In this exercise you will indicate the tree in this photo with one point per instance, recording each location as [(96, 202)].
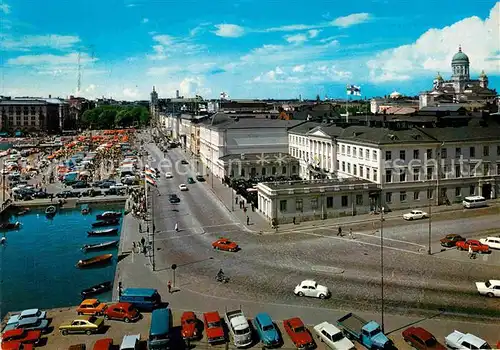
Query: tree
[(318, 99), (109, 117)]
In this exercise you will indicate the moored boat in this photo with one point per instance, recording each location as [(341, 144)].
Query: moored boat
[(85, 209), (10, 226), (23, 211), (108, 215), (100, 246), (110, 222), (51, 211), (97, 289), (106, 232), (96, 260)]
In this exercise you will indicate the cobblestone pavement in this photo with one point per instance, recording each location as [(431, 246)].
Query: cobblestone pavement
[(264, 273)]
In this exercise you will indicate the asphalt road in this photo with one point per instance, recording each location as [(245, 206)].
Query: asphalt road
[(268, 267)]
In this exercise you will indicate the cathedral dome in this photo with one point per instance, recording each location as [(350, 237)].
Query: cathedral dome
[(460, 57)]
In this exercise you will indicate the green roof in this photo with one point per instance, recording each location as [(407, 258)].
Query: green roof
[(460, 56)]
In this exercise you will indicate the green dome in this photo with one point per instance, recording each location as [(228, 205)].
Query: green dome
[(460, 57)]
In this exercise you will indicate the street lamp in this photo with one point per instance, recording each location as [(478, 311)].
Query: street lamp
[(382, 264)]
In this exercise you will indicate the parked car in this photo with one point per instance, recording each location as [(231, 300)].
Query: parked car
[(200, 178), (22, 336), (225, 244), (476, 246), (91, 307), (451, 240), (310, 288), (33, 324), (333, 337), (267, 331), (123, 312), (420, 339), (131, 342), (183, 187), (168, 175), (27, 314), (213, 327), (14, 345), (103, 344), (298, 333), (68, 194), (415, 215), (489, 288), (492, 242), (84, 324), (77, 347), (190, 180), (80, 184), (190, 325), (173, 199), (461, 341)]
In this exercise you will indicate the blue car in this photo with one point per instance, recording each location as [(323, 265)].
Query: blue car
[(266, 330)]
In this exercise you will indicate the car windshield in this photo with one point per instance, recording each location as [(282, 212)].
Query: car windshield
[(269, 327), (190, 321), (487, 284), (431, 342), (241, 331), (299, 329), (215, 324), (485, 346), (337, 337)]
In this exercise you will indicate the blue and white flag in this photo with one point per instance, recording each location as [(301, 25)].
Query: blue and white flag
[(223, 95), (353, 90)]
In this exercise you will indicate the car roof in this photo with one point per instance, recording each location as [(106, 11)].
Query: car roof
[(28, 320), (89, 301), (29, 312), (330, 328), (103, 344), (188, 314), (13, 332), (308, 282), (495, 281), (264, 319), (138, 292), (129, 341), (421, 333), (295, 322), (211, 316), (123, 305)]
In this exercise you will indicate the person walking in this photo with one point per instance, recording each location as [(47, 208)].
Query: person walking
[(120, 289), (176, 227), (248, 220), (350, 234), (471, 252), (169, 286), (293, 220), (339, 233)]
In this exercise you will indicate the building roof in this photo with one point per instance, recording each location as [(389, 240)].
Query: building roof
[(302, 129), (32, 101), (448, 108), (460, 57), (464, 133), (316, 183), (329, 129), (259, 157), (222, 121), (384, 136)]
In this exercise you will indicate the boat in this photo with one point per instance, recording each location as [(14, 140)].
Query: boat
[(23, 211), (108, 215), (85, 209), (51, 211), (106, 232), (97, 289), (110, 222), (100, 246), (96, 260), (10, 225), (3, 240)]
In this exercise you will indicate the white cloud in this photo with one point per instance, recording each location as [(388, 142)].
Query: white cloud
[(130, 93), (49, 59), (350, 20), (145, 20), (299, 68), (167, 45), (195, 68), (296, 39), (316, 72), (193, 86), (53, 41), (90, 88), (313, 33), (434, 49), (229, 30), (5, 8)]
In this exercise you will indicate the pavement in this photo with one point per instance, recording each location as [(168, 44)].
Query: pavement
[(417, 287)]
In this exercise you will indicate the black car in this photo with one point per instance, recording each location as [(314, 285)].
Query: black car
[(41, 194), (80, 184), (68, 194), (91, 193), (200, 178), (184, 161), (107, 184), (96, 184), (172, 198)]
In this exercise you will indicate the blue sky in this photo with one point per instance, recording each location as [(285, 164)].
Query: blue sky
[(249, 49)]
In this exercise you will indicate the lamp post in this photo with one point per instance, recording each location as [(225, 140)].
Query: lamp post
[(429, 250), (382, 265)]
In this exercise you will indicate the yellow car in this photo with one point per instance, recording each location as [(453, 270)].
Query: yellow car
[(85, 324)]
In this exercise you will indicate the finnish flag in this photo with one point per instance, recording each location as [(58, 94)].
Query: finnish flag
[(353, 90)]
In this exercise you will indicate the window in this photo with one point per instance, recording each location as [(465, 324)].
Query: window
[(242, 173), (375, 175), (253, 172), (416, 154), (430, 193), (348, 150), (444, 153), (429, 153), (416, 174), (402, 155), (359, 199), (458, 152), (368, 173), (374, 155), (388, 175), (338, 165), (294, 169), (283, 205), (354, 169), (498, 168), (360, 154), (349, 168), (354, 152), (457, 171), (263, 171), (402, 196), (344, 201), (367, 154), (329, 202), (472, 151), (402, 176), (416, 196), (360, 171), (343, 149), (445, 172), (498, 150), (299, 205), (429, 173), (273, 170), (486, 169), (458, 192), (343, 167), (388, 197), (314, 203), (388, 155), (283, 170), (472, 190), (486, 151)]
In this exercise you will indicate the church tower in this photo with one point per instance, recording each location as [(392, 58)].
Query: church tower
[(460, 66), (153, 105), (483, 80)]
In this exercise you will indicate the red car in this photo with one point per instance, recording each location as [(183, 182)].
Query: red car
[(103, 344), (213, 327), (225, 244), (122, 311), (299, 334), (22, 336), (189, 325), (420, 339), (477, 247), (14, 345)]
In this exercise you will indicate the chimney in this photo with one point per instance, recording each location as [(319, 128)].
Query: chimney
[(177, 95), (50, 96)]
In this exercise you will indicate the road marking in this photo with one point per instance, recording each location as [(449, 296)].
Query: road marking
[(389, 239), (329, 269)]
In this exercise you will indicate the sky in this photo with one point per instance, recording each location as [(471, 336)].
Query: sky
[(246, 48)]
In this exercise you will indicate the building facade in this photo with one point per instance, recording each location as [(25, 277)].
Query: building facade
[(253, 165)]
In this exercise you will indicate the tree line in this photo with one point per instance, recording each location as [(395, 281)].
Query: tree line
[(110, 117)]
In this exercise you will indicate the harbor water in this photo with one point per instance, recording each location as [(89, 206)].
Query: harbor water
[(38, 261)]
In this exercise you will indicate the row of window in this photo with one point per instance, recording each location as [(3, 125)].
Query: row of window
[(444, 153), (403, 196), (274, 171), (358, 152), (359, 171), (299, 203)]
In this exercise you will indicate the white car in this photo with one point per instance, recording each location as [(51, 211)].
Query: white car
[(333, 337), (309, 288), (183, 187), (460, 341), (415, 215), (492, 242), (168, 175), (118, 185), (490, 288)]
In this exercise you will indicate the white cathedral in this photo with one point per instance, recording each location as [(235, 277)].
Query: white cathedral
[(460, 88)]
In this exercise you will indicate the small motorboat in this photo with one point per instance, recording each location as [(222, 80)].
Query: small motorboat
[(110, 222), (85, 209), (106, 232), (10, 226), (51, 211), (23, 211), (100, 246), (108, 215), (97, 289), (3, 240), (96, 260)]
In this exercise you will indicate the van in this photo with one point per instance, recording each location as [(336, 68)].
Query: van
[(159, 331), (131, 342), (474, 202), (144, 299)]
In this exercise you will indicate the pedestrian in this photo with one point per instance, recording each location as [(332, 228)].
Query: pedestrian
[(293, 220), (350, 234), (340, 231), (248, 220), (120, 289), (470, 252), (245, 209), (143, 241), (169, 286), (140, 228), (236, 200), (133, 245), (176, 227)]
